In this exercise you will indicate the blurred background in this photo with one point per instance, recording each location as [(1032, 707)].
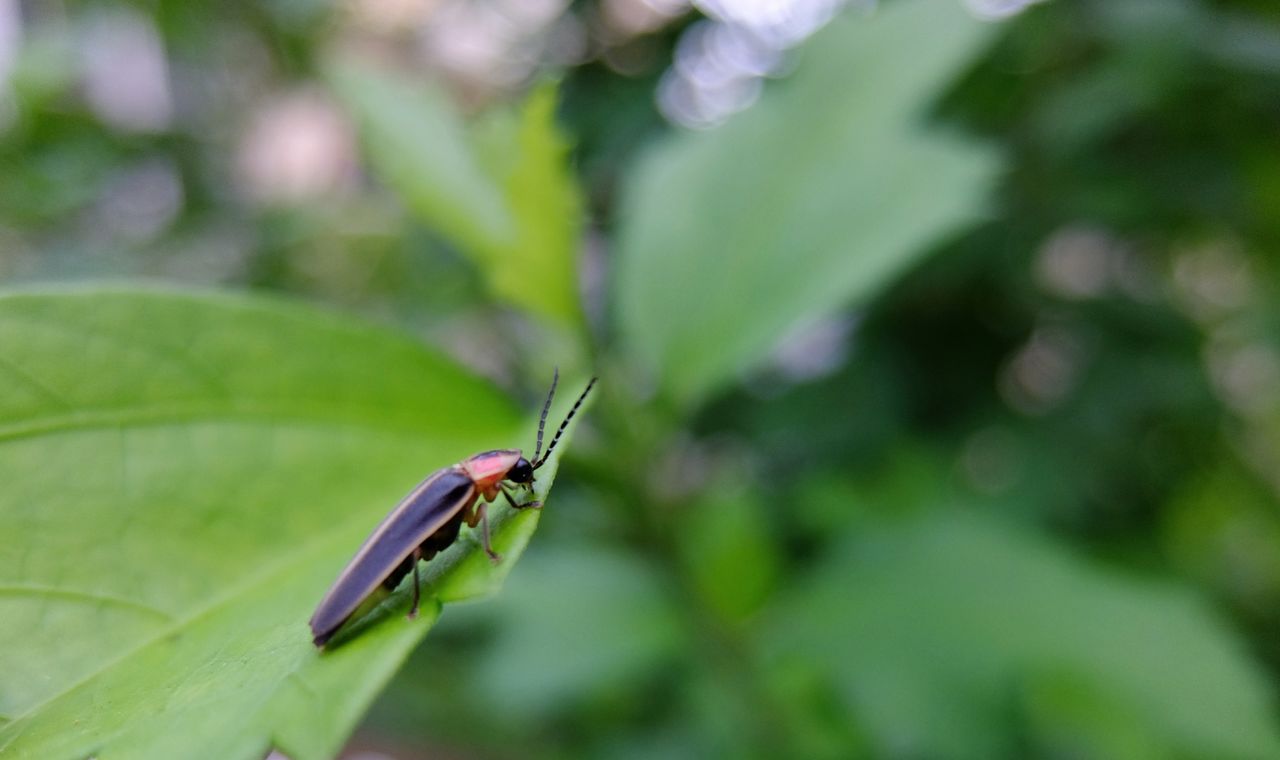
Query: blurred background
[(940, 341)]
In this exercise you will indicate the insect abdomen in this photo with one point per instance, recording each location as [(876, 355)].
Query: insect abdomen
[(424, 512)]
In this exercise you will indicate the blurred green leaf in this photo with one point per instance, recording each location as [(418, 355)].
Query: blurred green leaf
[(933, 629), (731, 554), (417, 142), (1223, 527), (504, 195), (815, 198), (818, 724), (603, 615), (539, 269), (184, 475), (1071, 716)]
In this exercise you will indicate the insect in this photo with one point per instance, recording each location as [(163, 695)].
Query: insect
[(428, 520)]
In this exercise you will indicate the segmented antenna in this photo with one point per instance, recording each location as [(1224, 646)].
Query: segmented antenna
[(539, 462), (546, 407)]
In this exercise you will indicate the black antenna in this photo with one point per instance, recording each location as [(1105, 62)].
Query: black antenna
[(546, 407), (539, 462)]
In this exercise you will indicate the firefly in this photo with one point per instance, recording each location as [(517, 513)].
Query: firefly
[(428, 520)]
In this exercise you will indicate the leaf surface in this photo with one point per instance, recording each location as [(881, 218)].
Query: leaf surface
[(184, 476)]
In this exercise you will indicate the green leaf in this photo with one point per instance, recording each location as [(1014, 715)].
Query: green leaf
[(501, 191), (934, 629), (603, 614), (812, 200), (731, 555), (417, 142), (184, 476), (538, 270)]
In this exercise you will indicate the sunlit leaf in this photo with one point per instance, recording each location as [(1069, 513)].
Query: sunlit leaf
[(538, 270), (418, 143), (509, 202), (184, 476), (813, 199)]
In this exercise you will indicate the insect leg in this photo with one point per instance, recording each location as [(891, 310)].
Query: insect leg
[(535, 504), (484, 531), (413, 611)]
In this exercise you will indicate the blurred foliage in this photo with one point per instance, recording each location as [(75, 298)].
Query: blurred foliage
[(509, 202), (940, 401), (736, 237)]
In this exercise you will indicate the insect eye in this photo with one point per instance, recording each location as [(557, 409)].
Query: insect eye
[(521, 472)]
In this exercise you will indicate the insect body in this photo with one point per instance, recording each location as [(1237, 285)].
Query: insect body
[(429, 519)]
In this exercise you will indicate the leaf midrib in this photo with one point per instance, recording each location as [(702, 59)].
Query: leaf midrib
[(39, 590), (266, 410)]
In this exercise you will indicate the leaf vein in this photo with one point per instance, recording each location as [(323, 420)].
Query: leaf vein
[(87, 597), (286, 564), (161, 415)]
